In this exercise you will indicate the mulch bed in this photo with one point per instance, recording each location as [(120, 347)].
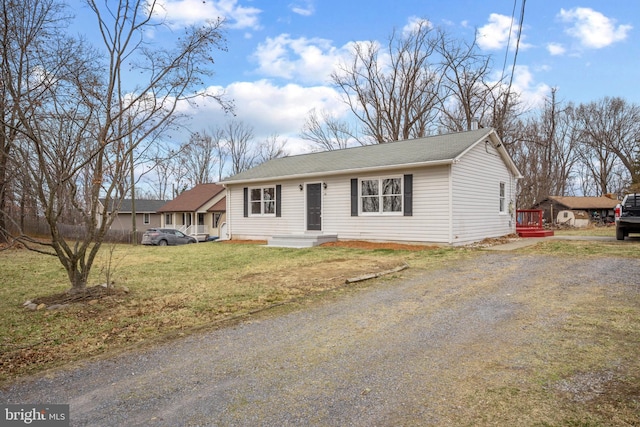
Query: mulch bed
[(90, 293), (353, 244), (361, 244)]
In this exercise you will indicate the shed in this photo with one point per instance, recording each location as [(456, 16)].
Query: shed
[(451, 189), (598, 208)]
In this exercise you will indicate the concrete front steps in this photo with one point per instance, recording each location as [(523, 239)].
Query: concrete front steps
[(300, 240)]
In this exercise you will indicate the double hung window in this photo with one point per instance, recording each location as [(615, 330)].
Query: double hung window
[(381, 195), (263, 201)]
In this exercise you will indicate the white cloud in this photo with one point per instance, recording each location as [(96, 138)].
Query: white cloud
[(414, 23), (532, 94), (181, 12), (303, 59), (269, 109), (498, 32), (591, 28), (556, 49), (303, 7)]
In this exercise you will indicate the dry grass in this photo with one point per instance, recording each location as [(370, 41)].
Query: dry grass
[(171, 291), (577, 366)]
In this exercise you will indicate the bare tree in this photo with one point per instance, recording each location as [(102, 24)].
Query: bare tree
[(200, 157), (599, 169), (466, 84), (82, 125), (613, 125), (238, 137), (327, 132), (546, 152), (394, 92), (271, 148), (26, 30)]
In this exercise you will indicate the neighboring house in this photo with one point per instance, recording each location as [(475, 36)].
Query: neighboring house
[(146, 214), (198, 212), (577, 211), (451, 189)]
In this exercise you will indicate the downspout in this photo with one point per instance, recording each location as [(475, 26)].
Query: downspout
[(227, 217), (451, 203)]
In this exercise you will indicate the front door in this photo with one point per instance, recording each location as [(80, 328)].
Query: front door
[(314, 206)]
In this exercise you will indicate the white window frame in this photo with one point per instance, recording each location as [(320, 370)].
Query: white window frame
[(503, 198), (267, 204), (146, 218), (168, 219), (380, 196)]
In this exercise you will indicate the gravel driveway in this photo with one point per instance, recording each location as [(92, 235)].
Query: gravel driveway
[(394, 353)]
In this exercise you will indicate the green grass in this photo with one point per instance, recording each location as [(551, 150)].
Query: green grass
[(179, 290), (609, 231), (172, 290)]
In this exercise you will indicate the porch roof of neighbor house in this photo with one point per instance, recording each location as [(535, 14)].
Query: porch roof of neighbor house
[(433, 150), (583, 202), (219, 206), (193, 199)]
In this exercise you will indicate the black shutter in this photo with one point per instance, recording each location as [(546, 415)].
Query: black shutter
[(246, 202), (354, 197), (278, 200), (408, 195)]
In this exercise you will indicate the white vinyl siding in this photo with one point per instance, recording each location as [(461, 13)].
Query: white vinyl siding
[(262, 227), (428, 223), (456, 203), (476, 196)]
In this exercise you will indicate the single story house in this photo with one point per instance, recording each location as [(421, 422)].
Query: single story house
[(146, 214), (577, 211), (450, 189), (198, 212)]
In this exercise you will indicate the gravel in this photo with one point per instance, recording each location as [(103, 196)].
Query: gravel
[(394, 353)]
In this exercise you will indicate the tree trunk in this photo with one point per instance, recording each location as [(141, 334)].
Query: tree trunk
[(77, 278)]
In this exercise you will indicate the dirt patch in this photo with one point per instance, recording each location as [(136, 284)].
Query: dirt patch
[(244, 242), (317, 277), (361, 244), (92, 293), (493, 241)]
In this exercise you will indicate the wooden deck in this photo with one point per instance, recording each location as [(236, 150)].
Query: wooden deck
[(530, 224)]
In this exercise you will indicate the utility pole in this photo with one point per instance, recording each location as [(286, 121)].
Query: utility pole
[(134, 230)]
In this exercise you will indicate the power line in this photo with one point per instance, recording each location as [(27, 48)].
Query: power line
[(515, 57), (506, 52)]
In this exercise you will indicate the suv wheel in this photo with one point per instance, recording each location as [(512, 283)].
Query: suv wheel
[(162, 243)]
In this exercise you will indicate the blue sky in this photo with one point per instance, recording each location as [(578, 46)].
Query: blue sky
[(281, 52)]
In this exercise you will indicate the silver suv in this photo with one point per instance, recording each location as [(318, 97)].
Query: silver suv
[(166, 236)]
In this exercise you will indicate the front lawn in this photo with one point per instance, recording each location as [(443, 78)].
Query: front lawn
[(170, 291)]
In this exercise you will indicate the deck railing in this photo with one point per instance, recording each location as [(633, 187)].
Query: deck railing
[(529, 218), (192, 230)]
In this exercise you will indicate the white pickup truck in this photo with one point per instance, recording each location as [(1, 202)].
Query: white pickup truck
[(628, 216)]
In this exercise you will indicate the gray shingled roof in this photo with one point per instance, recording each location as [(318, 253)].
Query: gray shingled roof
[(142, 206), (432, 149)]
